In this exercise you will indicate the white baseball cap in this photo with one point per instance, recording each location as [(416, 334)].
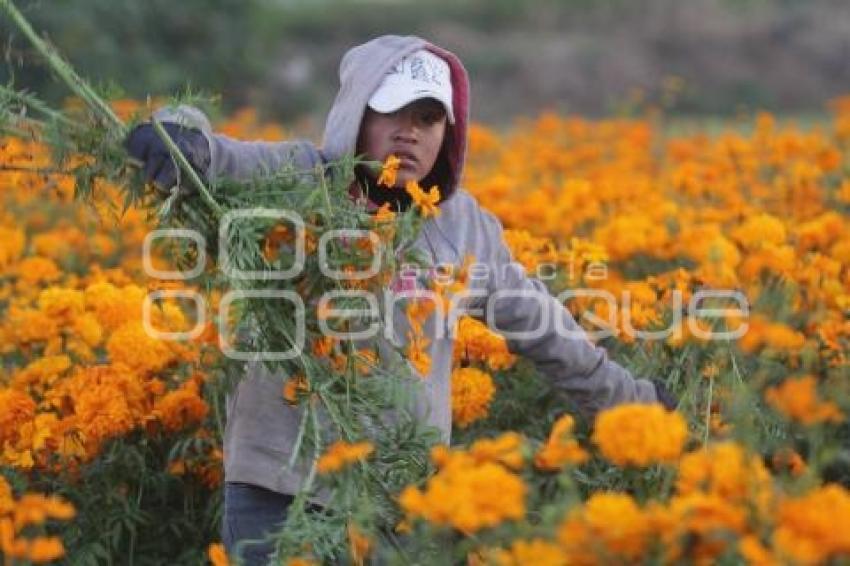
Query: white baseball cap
[(418, 75)]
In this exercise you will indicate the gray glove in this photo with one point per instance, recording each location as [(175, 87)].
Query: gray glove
[(159, 168)]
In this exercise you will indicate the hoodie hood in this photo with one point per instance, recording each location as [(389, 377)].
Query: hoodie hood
[(360, 73)]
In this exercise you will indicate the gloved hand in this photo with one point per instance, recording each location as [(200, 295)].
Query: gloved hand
[(159, 167), (667, 399)]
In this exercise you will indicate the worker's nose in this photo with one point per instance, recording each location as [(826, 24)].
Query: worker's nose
[(407, 129)]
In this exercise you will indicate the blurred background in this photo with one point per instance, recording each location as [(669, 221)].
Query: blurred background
[(595, 57)]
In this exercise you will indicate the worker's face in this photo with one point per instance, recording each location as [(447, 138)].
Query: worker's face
[(413, 133)]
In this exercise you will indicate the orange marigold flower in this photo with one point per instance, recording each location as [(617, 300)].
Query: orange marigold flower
[(798, 400), (383, 214), (359, 545), (40, 373), (608, 528), (425, 200), (115, 306), (560, 449), (808, 529), (536, 551), (12, 242), (323, 346), (697, 527), (781, 337), (88, 329), (340, 454), (16, 408), (24, 326), (472, 391), (790, 460), (103, 413), (45, 549), (217, 555), (181, 408), (506, 449), (279, 234), (389, 171), (33, 270), (726, 470), (7, 499), (755, 553), (35, 509), (466, 494), (417, 354), (292, 386), (477, 343), (640, 435), (760, 230), (61, 303), (418, 311), (132, 346)]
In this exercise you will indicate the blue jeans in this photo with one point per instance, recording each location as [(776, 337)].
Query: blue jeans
[(250, 514)]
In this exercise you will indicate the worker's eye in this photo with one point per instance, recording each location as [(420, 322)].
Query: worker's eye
[(431, 116)]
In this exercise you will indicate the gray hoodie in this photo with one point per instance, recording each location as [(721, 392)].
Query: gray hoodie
[(261, 427)]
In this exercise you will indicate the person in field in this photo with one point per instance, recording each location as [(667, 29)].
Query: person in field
[(406, 97)]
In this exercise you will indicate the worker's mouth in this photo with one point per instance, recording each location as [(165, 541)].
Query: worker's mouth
[(406, 158)]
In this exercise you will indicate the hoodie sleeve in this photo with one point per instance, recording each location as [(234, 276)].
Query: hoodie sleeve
[(242, 160), (552, 338)]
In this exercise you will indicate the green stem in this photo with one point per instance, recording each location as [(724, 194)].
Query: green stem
[(708, 411), (15, 132), (187, 169), (6, 128), (64, 70), (299, 438), (37, 105), (735, 367), (327, 197), (33, 170), (317, 439), (335, 416)]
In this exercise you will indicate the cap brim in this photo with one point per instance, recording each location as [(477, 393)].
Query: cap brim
[(390, 100)]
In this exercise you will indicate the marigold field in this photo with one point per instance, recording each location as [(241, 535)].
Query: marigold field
[(110, 439)]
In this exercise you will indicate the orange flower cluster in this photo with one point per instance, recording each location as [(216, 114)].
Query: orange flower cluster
[(472, 391), (341, 454), (418, 312), (724, 502), (20, 516), (640, 435), (521, 552), (80, 367), (209, 470), (472, 490), (740, 209), (614, 205), (608, 527), (808, 529), (475, 343), (797, 399)]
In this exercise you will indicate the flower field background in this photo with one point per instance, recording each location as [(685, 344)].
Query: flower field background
[(110, 440)]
